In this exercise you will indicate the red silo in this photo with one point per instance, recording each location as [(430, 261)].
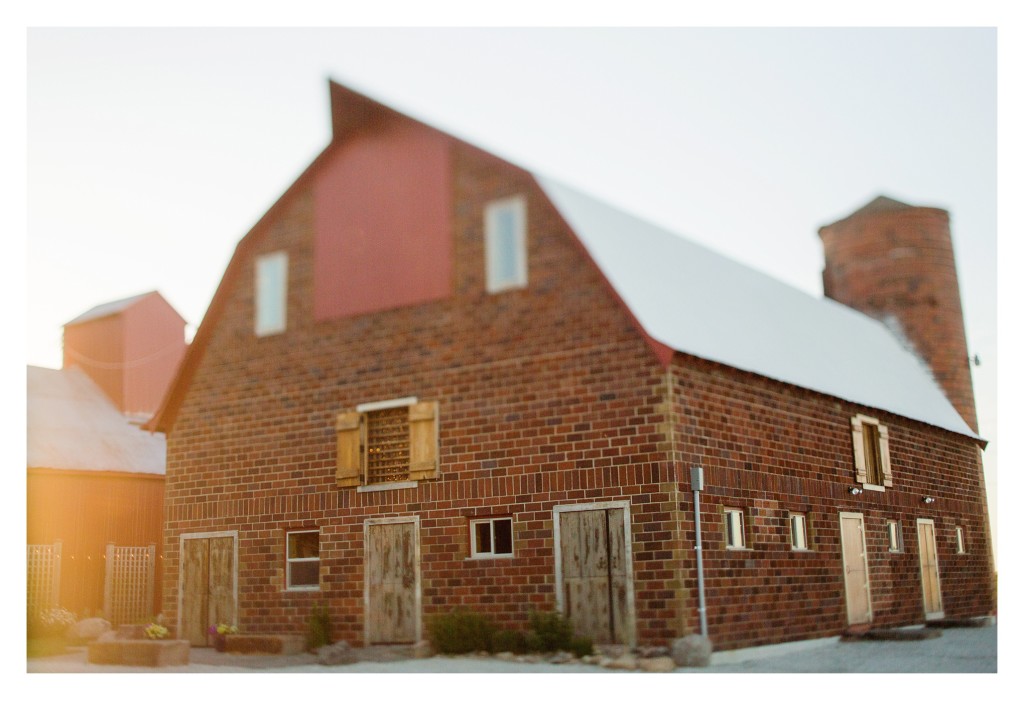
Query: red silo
[(894, 262)]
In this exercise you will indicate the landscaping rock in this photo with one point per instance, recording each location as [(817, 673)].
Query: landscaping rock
[(656, 664), (649, 652), (625, 661), (693, 650), (561, 658), (336, 654), (88, 630)]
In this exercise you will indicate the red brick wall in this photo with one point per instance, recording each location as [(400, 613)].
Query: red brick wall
[(547, 396), (770, 449)]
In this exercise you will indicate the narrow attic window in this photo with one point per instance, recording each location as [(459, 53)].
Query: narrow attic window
[(871, 452), (271, 293), (505, 243)]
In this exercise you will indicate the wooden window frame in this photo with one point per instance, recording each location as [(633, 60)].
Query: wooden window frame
[(894, 534), (860, 425), (267, 302), (473, 523), (731, 513), (493, 212), (288, 560), (795, 543), (353, 444)]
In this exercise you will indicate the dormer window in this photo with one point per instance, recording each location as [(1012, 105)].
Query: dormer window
[(271, 293), (505, 244)]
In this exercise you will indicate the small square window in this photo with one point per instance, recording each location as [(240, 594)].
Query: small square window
[(960, 547), (271, 293), (895, 534), (798, 531), (303, 568), (734, 528), (490, 538), (505, 244)]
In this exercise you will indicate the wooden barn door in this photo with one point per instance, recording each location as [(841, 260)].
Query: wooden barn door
[(595, 573), (392, 582), (929, 569), (207, 586), (855, 569)]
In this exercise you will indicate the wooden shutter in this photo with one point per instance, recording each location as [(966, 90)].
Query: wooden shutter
[(423, 462), (857, 431), (883, 449), (350, 435)]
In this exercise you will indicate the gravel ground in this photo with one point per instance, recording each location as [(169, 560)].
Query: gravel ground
[(970, 650)]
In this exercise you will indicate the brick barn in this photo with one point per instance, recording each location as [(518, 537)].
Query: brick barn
[(430, 379)]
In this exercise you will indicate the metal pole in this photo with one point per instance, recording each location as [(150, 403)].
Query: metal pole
[(697, 484)]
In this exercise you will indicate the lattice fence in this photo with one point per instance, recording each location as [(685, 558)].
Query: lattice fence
[(43, 577), (128, 586)]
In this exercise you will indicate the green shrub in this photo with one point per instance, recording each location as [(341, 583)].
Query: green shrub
[(550, 632), (513, 641), (319, 632), (460, 632), (581, 646)]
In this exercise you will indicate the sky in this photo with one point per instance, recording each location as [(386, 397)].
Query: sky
[(143, 153)]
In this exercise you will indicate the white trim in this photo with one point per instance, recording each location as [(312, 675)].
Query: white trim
[(793, 517), (386, 404), (742, 533), (181, 571), (288, 587), (387, 486), (415, 520), (961, 544), (556, 511), (517, 206), (474, 522), (892, 525)]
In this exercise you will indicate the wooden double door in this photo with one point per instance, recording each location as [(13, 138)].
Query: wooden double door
[(595, 572), (207, 585)]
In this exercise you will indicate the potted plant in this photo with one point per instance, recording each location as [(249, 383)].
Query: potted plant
[(219, 633), (156, 631)]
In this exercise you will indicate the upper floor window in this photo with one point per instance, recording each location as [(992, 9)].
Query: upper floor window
[(505, 243), (387, 442), (734, 537), (798, 531), (271, 293), (961, 547), (871, 452)]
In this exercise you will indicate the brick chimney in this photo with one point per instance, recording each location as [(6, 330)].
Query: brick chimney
[(894, 262)]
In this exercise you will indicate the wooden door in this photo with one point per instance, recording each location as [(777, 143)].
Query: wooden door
[(855, 569), (207, 586), (929, 569), (594, 573), (392, 605)]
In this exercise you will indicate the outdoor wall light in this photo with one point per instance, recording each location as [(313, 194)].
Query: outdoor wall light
[(928, 500), (855, 490)]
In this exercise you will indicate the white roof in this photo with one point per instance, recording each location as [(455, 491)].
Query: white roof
[(701, 303), (72, 425), (107, 309)]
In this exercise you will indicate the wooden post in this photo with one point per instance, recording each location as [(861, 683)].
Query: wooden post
[(150, 574), (108, 584)]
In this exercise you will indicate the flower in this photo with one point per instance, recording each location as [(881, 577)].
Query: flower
[(155, 631), (56, 620), (221, 629)]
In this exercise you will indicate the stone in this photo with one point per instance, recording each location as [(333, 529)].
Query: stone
[(625, 661), (693, 650), (131, 631), (88, 630), (561, 657), (336, 654), (656, 664), (264, 644), (648, 652), (505, 656)]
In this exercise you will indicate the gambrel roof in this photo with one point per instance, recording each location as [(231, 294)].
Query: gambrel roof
[(686, 298)]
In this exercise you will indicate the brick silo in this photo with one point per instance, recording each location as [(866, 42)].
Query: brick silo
[(894, 262)]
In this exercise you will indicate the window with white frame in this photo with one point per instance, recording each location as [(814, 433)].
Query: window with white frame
[(303, 564), (960, 547), (505, 244), (271, 293), (798, 531), (490, 538), (734, 537), (895, 535)]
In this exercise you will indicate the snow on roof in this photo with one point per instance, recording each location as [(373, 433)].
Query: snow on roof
[(701, 303), (107, 309), (72, 425)]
